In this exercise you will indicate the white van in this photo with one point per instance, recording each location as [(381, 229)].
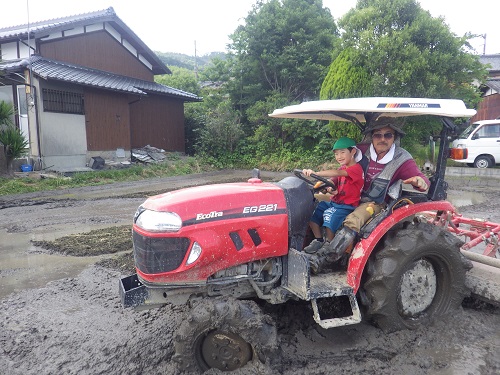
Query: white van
[(479, 145)]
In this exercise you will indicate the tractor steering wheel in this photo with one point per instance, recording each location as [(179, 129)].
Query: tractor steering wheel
[(325, 181)]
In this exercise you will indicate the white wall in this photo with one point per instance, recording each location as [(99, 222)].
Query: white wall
[(63, 140), (9, 50)]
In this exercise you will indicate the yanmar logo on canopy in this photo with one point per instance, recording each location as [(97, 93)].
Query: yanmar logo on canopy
[(408, 105)]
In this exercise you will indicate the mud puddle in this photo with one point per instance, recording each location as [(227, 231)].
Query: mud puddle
[(31, 260), (21, 269)]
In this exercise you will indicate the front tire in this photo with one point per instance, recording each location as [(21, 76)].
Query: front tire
[(483, 162), (417, 276), (224, 333)]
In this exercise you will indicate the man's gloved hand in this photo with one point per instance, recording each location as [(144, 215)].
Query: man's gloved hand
[(417, 182)]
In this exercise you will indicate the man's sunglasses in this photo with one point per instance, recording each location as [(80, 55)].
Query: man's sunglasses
[(385, 135)]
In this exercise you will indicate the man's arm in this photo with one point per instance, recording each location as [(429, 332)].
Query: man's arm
[(417, 182), (411, 174)]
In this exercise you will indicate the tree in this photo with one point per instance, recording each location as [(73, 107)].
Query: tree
[(12, 141), (197, 116), (279, 144), (285, 47), (395, 48), (346, 78), (181, 78), (403, 51), (222, 131), (279, 56)]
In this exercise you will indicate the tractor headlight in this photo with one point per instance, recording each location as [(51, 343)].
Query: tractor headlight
[(154, 221), (194, 254)]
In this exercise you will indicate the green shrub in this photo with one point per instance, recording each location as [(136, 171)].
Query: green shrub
[(13, 144)]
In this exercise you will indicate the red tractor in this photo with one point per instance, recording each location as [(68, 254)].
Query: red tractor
[(224, 249)]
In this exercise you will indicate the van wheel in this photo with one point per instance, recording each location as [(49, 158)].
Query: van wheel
[(224, 334), (483, 162), (418, 276)]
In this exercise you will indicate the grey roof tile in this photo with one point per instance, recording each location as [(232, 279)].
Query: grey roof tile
[(37, 28), (493, 60), (494, 84), (42, 28), (65, 72)]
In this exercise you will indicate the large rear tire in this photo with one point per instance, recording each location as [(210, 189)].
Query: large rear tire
[(418, 275), (226, 334)]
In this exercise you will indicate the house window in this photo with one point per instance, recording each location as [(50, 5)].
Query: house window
[(63, 102)]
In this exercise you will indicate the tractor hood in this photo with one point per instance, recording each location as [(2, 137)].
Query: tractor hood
[(220, 202)]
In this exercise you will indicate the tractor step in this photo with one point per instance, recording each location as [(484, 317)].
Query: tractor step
[(328, 289), (300, 282), (328, 285), (336, 321)]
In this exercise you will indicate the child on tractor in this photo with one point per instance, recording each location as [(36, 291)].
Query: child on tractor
[(348, 179)]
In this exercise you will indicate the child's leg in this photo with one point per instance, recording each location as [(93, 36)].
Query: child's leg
[(315, 224), (329, 234), (316, 229), (317, 219), (333, 249)]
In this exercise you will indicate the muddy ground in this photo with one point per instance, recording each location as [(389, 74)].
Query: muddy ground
[(61, 314)]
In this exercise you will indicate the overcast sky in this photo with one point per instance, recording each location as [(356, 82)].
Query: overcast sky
[(176, 26)]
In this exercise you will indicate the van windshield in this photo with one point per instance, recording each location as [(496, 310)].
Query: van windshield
[(465, 134)]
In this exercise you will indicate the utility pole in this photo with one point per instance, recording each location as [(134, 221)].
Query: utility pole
[(484, 45), (195, 62)]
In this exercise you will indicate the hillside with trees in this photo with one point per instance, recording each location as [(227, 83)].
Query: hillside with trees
[(181, 60)]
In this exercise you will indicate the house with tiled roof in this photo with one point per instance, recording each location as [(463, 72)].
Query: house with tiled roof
[(489, 108), (83, 86)]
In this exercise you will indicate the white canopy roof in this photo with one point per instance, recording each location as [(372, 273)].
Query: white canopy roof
[(342, 109)]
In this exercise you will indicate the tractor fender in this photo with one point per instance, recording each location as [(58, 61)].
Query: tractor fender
[(365, 246)]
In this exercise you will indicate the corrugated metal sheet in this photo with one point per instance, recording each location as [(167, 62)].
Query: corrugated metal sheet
[(61, 71)]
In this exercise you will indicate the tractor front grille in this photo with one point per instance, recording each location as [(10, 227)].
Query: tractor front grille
[(156, 255)]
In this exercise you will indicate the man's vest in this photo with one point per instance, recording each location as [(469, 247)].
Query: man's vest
[(380, 183)]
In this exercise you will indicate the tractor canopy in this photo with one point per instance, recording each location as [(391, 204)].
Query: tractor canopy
[(363, 111)]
